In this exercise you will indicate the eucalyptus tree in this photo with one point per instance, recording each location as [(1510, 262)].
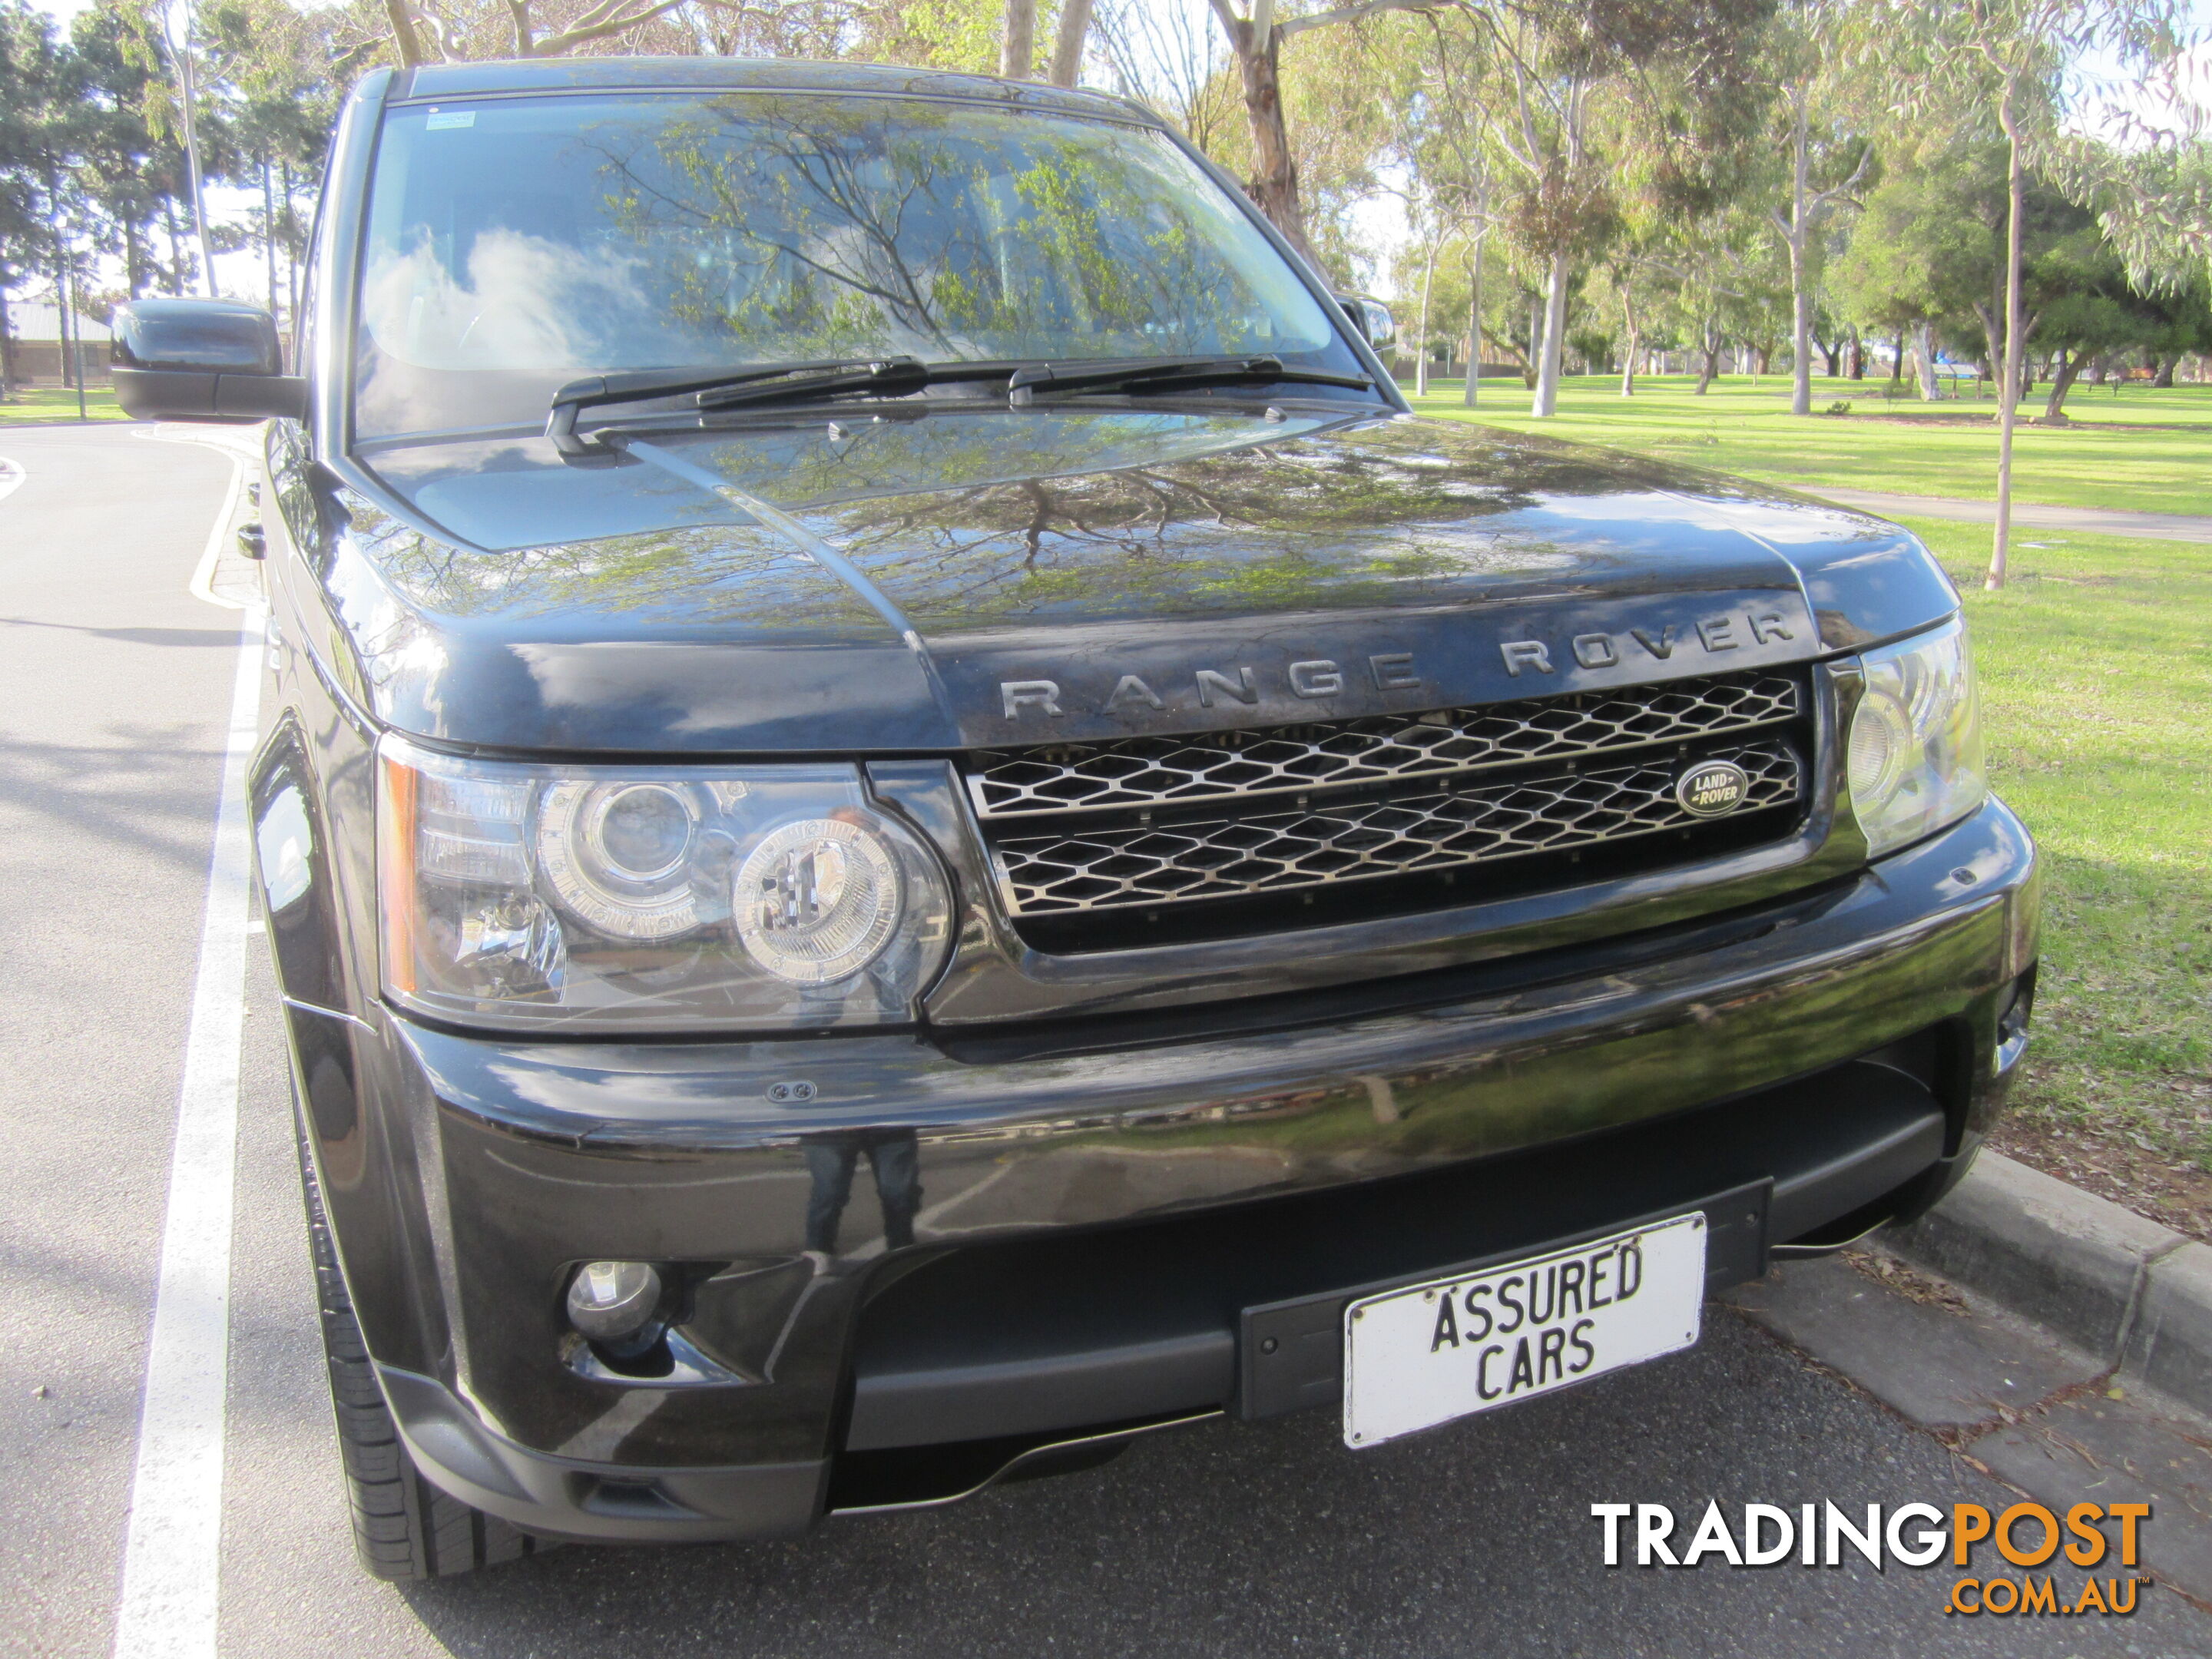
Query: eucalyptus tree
[(2015, 58), (1591, 84), (1255, 41), (1447, 144), (1825, 155)]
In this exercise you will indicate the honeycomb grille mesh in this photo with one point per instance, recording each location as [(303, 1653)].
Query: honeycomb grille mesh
[(1078, 869), (1150, 772)]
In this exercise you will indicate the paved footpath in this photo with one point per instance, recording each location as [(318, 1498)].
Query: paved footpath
[(1270, 1539), (2088, 521)]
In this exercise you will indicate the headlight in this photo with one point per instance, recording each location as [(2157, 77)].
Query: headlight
[(646, 897), (1915, 758)]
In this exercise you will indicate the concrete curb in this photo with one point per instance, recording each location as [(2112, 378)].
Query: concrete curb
[(2133, 1294)]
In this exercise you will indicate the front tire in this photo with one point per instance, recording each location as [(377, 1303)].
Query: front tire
[(403, 1528)]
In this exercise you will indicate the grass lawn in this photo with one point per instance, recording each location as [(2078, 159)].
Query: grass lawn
[(2096, 666), (47, 402), (2140, 448)]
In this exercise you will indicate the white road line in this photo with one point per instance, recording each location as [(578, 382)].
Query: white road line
[(243, 451), (11, 475), (173, 1552)]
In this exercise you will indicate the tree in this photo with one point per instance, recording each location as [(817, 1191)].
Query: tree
[(2084, 310), (1592, 84), (1256, 41), (279, 72), (29, 73), (2013, 57), (1826, 159)]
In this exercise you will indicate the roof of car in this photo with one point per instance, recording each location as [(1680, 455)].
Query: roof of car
[(449, 81)]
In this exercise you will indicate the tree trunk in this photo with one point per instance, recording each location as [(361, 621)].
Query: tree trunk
[(1421, 343), (1991, 318), (1067, 46), (61, 282), (1712, 363), (1924, 350), (9, 379), (1535, 343), (1555, 329), (403, 37), (1474, 322), (2070, 369), (2167, 364), (176, 247), (269, 231), (185, 84), (1859, 354), (1897, 363), (2008, 384), (1273, 186), (1628, 359), (134, 264), (1800, 298), (291, 253), (1017, 41)]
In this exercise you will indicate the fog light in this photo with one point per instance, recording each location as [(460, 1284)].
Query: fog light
[(609, 1301)]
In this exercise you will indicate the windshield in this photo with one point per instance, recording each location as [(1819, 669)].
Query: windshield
[(515, 243)]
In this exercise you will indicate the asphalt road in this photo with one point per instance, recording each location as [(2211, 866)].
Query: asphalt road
[(114, 688)]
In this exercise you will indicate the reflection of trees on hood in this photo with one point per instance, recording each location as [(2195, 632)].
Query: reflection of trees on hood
[(713, 574), (853, 227), (1264, 526)]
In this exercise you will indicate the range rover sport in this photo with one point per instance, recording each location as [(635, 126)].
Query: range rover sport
[(912, 827)]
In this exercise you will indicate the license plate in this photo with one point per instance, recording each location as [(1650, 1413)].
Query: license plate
[(1426, 1354)]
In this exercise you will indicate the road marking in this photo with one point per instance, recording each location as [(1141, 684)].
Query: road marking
[(242, 454), (172, 1554), (11, 475)]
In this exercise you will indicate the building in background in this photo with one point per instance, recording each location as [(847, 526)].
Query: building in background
[(40, 358)]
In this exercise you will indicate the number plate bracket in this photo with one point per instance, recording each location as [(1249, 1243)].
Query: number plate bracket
[(1290, 1355)]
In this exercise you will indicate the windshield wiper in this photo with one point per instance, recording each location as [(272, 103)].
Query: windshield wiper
[(751, 386), (1172, 374)]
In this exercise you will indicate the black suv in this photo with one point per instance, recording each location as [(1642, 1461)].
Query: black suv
[(828, 616)]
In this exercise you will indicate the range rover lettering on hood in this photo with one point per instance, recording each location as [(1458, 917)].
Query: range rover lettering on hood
[(1327, 679), (1407, 664)]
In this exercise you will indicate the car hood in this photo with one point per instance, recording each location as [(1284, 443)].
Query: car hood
[(965, 577)]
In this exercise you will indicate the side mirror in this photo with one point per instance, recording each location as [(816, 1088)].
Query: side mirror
[(202, 360), (1372, 319)]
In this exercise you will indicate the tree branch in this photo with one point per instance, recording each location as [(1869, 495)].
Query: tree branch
[(554, 45), (1351, 14), (403, 32)]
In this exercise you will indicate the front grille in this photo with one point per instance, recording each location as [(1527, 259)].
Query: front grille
[(1291, 759), (1208, 833), (1350, 840)]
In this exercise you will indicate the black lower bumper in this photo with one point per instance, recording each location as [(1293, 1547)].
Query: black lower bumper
[(1243, 1308), (1099, 1239)]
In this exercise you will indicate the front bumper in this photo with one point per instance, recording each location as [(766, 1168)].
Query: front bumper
[(1832, 1057)]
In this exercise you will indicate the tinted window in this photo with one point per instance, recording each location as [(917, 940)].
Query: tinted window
[(515, 243)]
